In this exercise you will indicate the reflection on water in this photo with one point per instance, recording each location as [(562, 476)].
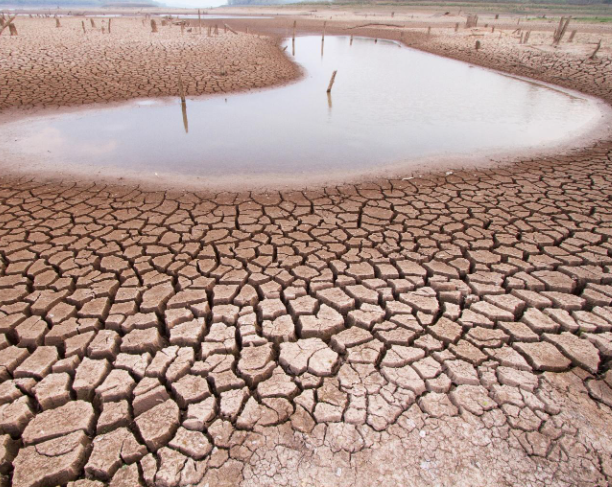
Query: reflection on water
[(185, 121), (389, 105)]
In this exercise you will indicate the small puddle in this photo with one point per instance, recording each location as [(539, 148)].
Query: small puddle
[(390, 107)]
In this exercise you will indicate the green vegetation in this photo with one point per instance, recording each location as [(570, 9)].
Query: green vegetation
[(593, 20)]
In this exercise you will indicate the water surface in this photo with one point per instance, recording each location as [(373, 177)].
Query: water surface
[(389, 105)]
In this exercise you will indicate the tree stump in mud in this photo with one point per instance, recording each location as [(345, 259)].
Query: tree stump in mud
[(477, 45), (472, 21)]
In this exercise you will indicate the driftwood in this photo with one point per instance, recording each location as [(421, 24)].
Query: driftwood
[(373, 25), (592, 56), (230, 29)]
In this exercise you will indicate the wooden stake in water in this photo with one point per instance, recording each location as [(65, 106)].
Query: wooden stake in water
[(323, 38), (352, 38), (331, 81), (294, 24)]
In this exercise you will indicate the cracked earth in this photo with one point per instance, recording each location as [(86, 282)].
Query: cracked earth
[(442, 330)]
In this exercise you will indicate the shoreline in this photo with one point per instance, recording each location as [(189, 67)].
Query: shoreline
[(599, 133)]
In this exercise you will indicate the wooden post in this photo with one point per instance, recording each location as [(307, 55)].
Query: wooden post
[(199, 21), (477, 45), (526, 39), (331, 82), (428, 31), (560, 31), (57, 22), (294, 24), (572, 35), (109, 25), (352, 38), (216, 29), (153, 26), (592, 56), (456, 27), (83, 25), (93, 24), (323, 38), (13, 30), (492, 29)]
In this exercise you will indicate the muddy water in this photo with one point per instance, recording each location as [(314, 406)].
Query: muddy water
[(390, 105)]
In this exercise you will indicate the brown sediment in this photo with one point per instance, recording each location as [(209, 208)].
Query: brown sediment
[(454, 329), (50, 67)]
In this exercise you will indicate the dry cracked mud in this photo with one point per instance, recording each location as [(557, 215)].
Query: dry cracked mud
[(443, 330), (450, 330), (48, 66)]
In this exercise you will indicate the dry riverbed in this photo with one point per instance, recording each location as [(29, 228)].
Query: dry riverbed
[(441, 330)]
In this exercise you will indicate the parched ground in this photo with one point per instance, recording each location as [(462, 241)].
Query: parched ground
[(50, 66), (443, 330)]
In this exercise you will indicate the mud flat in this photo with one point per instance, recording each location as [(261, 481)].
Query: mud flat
[(49, 66), (450, 330), (392, 112)]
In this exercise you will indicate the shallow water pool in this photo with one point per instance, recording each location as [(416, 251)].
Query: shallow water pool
[(389, 105)]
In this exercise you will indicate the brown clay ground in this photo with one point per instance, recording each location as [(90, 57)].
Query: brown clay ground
[(450, 330), (50, 66)]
